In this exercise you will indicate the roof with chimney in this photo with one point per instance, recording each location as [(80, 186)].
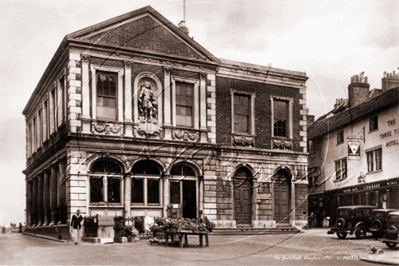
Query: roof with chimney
[(343, 115)]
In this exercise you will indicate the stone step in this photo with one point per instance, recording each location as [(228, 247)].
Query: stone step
[(256, 231)]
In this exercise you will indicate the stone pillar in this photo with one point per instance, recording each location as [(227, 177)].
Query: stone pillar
[(196, 106), (201, 193), (292, 204), (135, 104), (166, 195), (367, 198), (85, 88), (46, 198), (173, 103), (93, 93), (28, 203), (203, 102), (34, 202), (166, 95), (128, 92), (119, 96), (53, 194), (40, 199), (128, 194)]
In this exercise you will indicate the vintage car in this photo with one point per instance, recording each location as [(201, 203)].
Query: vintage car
[(391, 234), (379, 221), (352, 219)]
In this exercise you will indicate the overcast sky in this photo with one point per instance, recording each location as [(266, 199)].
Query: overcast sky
[(329, 40)]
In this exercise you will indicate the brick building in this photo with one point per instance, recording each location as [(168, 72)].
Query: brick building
[(133, 117), (354, 149)]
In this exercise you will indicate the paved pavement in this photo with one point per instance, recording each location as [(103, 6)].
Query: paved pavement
[(313, 247)]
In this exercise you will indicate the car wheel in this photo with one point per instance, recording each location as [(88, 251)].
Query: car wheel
[(361, 232), (340, 222), (377, 224), (391, 245), (342, 235)]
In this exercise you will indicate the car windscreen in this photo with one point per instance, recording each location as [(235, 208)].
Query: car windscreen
[(362, 212)]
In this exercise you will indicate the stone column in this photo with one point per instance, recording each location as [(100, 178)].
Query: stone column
[(173, 103), (201, 192), (85, 87), (166, 195), (203, 101), (40, 199), (128, 92), (34, 202), (46, 198), (367, 198), (128, 194), (166, 95), (292, 203), (93, 93), (28, 203), (53, 194), (196, 106), (119, 96)]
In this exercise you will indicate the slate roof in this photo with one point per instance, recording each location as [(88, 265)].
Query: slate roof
[(324, 125)]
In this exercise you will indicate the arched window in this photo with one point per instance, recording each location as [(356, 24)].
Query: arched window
[(146, 187), (105, 182)]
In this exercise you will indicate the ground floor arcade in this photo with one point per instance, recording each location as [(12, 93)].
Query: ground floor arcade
[(233, 189)]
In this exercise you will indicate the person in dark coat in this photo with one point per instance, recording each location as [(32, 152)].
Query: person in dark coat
[(76, 225)]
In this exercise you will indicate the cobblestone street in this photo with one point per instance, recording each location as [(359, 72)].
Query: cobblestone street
[(313, 247)]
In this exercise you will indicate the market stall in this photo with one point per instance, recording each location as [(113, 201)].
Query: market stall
[(179, 229)]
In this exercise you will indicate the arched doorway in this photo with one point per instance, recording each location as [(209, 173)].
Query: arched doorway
[(242, 196), (183, 189), (282, 187)]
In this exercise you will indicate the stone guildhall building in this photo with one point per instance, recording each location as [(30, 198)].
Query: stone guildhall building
[(132, 117)]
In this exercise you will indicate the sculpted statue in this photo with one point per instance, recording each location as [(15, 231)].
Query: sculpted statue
[(147, 103)]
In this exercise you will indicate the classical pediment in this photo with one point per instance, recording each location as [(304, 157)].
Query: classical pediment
[(144, 30)]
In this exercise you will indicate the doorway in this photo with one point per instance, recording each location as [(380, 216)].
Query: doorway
[(282, 196), (242, 196), (183, 190)]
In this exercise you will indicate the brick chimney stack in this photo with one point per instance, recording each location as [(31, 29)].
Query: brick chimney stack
[(389, 81), (358, 90), (182, 27)]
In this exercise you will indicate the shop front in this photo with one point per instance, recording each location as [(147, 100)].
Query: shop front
[(382, 194)]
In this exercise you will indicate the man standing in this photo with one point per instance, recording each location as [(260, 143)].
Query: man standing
[(76, 225)]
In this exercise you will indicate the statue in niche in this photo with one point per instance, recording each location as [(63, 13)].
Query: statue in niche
[(147, 104)]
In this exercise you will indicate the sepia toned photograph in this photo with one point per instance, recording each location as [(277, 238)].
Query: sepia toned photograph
[(184, 132)]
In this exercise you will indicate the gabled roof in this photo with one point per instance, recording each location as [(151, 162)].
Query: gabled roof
[(326, 124), (193, 50), (143, 29)]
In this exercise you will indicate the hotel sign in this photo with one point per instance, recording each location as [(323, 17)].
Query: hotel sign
[(353, 150)]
